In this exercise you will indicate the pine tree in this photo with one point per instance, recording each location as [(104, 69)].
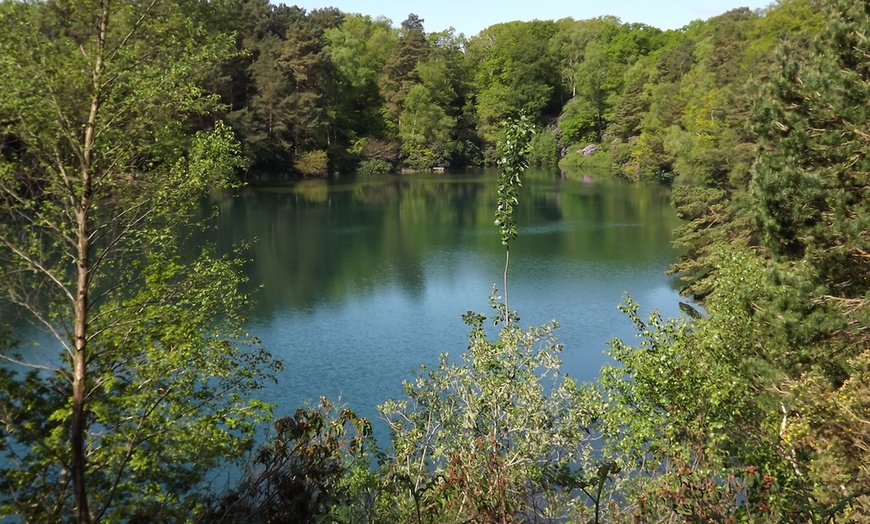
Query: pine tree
[(811, 181), (811, 186)]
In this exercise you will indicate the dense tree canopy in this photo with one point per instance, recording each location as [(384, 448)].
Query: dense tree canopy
[(115, 117), (660, 105)]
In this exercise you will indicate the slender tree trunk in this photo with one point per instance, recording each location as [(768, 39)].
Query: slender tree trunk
[(79, 391), (77, 437), (507, 262)]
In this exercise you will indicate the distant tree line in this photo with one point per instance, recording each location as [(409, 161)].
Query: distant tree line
[(310, 93)]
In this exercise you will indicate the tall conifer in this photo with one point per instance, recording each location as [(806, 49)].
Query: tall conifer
[(811, 189), (811, 179)]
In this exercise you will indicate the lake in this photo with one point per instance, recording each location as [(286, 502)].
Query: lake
[(360, 281)]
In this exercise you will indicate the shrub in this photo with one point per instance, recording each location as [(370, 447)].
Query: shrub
[(577, 158), (379, 149), (299, 475), (544, 150), (500, 436), (374, 167), (312, 163), (422, 159)]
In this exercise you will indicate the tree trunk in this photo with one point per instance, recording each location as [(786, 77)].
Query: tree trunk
[(79, 391), (77, 437)]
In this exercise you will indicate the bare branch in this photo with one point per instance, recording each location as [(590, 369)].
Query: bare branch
[(39, 267), (29, 365)]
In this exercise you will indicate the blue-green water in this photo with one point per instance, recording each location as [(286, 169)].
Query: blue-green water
[(365, 280)]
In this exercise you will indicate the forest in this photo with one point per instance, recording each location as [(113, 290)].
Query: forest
[(117, 117), (324, 91)]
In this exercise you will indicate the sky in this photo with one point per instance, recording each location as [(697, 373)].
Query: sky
[(472, 16)]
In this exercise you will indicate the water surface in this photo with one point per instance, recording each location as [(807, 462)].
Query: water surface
[(365, 280)]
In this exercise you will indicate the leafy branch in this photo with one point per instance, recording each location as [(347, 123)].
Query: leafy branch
[(513, 161)]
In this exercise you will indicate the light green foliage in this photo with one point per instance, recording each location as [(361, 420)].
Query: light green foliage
[(514, 152), (596, 163), (544, 148), (649, 382), (358, 50), (425, 127), (360, 47), (513, 72), (597, 78), (783, 17), (499, 436), (578, 122), (570, 41), (312, 163), (514, 149), (634, 41), (689, 407), (149, 388), (514, 160), (165, 405), (600, 53)]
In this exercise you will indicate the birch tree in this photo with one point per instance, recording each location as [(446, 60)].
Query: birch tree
[(97, 173)]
